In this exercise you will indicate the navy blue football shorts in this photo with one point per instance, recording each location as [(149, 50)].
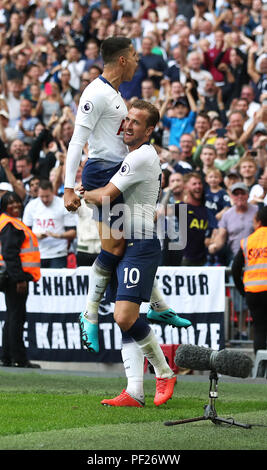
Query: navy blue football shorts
[(97, 174), (137, 269)]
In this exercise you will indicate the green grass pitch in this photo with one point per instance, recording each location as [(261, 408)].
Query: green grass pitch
[(62, 412)]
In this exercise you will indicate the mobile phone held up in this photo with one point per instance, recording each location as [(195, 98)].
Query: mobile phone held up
[(48, 88), (221, 132)]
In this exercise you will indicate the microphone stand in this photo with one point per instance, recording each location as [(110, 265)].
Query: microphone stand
[(209, 410)]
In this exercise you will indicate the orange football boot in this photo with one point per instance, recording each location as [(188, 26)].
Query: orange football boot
[(164, 390), (124, 399)]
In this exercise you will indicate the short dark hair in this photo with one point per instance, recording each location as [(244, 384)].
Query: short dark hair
[(153, 113), (209, 146), (112, 47), (8, 197), (92, 41), (46, 184), (34, 178), (27, 158), (96, 66), (243, 99), (261, 216), (204, 115), (192, 174)]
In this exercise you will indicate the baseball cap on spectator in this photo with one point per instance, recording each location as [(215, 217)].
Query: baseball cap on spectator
[(241, 186), (232, 172), (259, 61), (182, 100), (181, 18), (28, 140), (127, 14), (3, 18), (260, 129), (4, 186), (4, 113)]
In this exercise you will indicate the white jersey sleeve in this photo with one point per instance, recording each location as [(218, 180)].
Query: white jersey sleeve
[(90, 110), (102, 110), (74, 154), (139, 180), (134, 169), (28, 214)]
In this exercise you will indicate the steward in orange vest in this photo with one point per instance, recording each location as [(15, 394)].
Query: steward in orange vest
[(29, 251), (249, 268), (254, 250), (20, 256), (249, 271)]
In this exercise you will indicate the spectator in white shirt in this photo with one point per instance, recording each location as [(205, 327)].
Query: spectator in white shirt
[(258, 192), (75, 65), (248, 93), (51, 20), (53, 225), (7, 133)]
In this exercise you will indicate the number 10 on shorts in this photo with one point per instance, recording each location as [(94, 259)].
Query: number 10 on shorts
[(131, 275)]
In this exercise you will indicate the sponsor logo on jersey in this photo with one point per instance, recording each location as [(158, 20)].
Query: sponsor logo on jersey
[(87, 107)]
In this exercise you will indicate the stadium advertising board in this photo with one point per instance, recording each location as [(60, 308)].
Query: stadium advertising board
[(52, 333)]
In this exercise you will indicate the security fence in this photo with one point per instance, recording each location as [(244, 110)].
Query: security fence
[(238, 321)]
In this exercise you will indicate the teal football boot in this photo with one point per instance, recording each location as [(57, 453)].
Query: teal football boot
[(169, 317), (89, 333)]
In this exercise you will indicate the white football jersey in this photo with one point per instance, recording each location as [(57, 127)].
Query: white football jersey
[(102, 110), (139, 179), (53, 218)]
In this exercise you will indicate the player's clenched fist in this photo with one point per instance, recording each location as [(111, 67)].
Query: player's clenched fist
[(71, 200)]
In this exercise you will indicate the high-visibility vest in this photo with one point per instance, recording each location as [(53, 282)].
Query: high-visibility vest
[(29, 251), (255, 254)]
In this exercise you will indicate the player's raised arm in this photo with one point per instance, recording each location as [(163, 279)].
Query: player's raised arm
[(74, 155)]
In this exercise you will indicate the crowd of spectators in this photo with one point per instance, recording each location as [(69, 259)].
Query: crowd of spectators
[(202, 63)]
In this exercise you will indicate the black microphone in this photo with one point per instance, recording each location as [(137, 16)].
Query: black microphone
[(224, 362)]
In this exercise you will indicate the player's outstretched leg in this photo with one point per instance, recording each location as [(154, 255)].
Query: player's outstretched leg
[(133, 362), (89, 333), (164, 389), (160, 312), (124, 399), (168, 316), (147, 342), (100, 276)]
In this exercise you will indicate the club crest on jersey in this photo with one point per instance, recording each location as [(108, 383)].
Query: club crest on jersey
[(124, 170), (87, 107)]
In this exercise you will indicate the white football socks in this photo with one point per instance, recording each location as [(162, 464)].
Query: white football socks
[(156, 300), (98, 281), (153, 352), (133, 361)]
